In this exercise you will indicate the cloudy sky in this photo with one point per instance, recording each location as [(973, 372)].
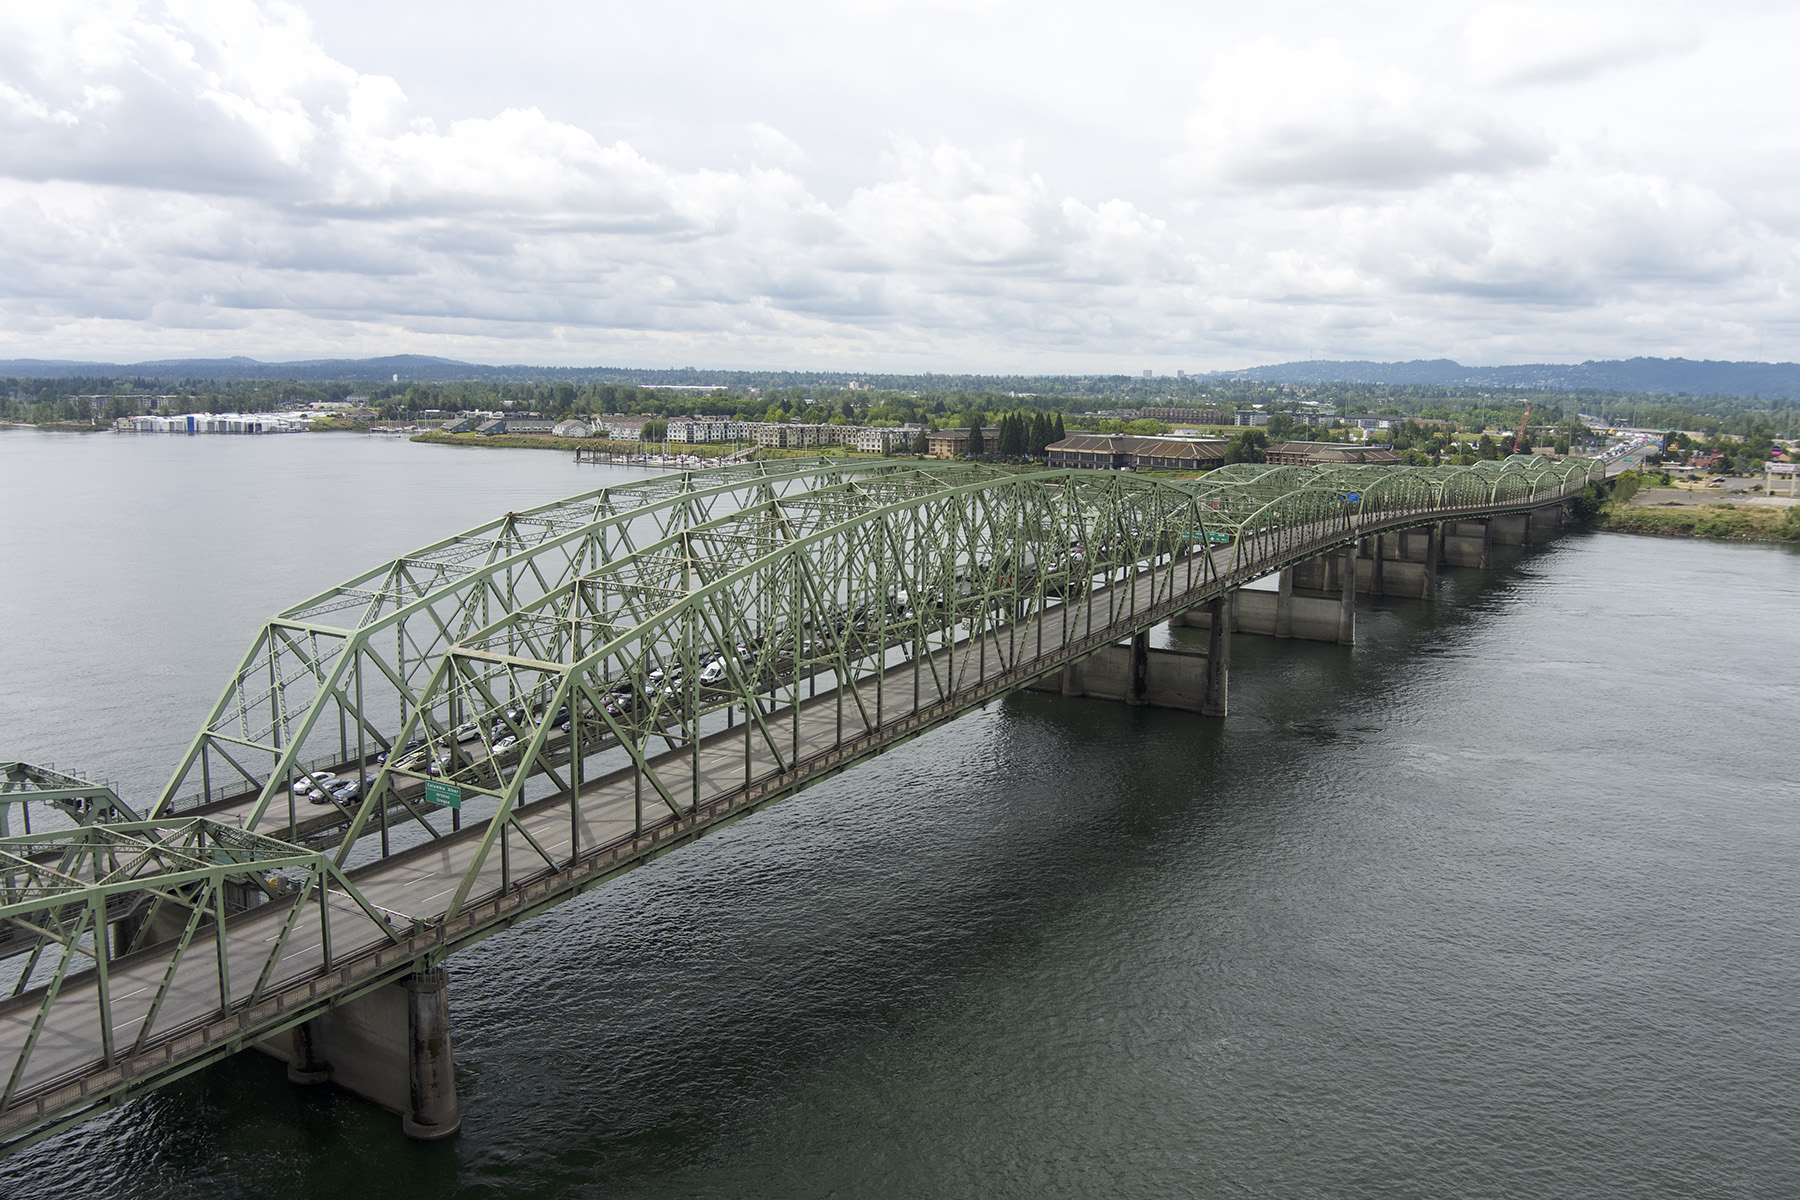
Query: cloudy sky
[(987, 185)]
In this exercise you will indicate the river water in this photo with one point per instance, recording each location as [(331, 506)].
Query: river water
[(1501, 902)]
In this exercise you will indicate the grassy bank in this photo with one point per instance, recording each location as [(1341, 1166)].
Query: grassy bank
[(58, 426), (513, 441), (546, 441), (815, 452), (1725, 522)]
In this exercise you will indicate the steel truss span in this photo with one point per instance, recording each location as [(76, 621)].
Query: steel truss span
[(512, 715)]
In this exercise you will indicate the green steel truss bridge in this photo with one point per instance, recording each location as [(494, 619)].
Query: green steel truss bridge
[(524, 710)]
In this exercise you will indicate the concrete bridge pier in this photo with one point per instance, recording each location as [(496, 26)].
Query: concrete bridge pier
[(432, 1112), (1138, 674), (1509, 529), (1465, 543), (1347, 605), (390, 1046), (1137, 689), (1280, 613), (1434, 541), (1214, 700)]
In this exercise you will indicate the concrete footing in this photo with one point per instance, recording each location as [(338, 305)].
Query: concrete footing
[(390, 1046), (431, 1074), (1215, 697), (1403, 563), (1137, 673), (1274, 614)]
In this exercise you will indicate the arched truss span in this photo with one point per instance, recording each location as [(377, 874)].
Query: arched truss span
[(848, 586), (593, 682)]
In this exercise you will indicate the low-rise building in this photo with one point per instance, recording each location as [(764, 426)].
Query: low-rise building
[(1114, 452), (197, 423), (1324, 454), (886, 441), (621, 427), (701, 429), (954, 443), (1192, 416)]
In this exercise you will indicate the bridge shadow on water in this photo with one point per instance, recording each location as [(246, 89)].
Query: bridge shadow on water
[(781, 972)]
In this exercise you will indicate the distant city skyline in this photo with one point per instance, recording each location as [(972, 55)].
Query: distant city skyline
[(898, 185)]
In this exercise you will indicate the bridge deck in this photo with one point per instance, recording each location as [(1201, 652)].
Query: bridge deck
[(420, 882), (619, 808)]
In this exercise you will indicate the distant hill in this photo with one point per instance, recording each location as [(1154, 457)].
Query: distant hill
[(1668, 376)]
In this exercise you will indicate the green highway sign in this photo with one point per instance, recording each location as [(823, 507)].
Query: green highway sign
[(447, 795), (1216, 535)]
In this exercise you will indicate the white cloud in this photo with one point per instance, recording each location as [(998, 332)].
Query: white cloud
[(202, 176), (772, 145), (1272, 115), (1517, 44)]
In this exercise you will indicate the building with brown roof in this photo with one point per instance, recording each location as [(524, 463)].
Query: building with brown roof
[(1329, 454), (1113, 452)]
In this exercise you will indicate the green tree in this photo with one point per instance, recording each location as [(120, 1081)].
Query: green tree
[(977, 443), (1280, 427), (1247, 446), (1012, 436), (920, 444)]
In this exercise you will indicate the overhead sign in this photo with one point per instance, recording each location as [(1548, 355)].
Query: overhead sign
[(445, 795)]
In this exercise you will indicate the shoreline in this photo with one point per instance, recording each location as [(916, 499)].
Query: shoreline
[(548, 441), (1720, 522)]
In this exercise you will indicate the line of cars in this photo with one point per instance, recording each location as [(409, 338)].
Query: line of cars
[(323, 787), (762, 661)]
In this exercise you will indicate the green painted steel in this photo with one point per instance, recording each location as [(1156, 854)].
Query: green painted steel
[(595, 682), (82, 801)]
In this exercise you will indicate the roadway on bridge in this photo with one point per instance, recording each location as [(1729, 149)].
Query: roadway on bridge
[(716, 778), (420, 882)]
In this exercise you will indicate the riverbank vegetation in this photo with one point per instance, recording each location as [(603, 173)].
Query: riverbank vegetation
[(1611, 509), (545, 441), (1724, 521)]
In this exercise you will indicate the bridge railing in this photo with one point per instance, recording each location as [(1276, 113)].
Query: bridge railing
[(971, 581)]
